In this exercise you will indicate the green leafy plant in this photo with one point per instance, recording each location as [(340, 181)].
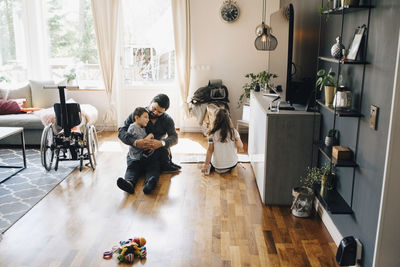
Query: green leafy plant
[(332, 133), (261, 79), (327, 78), (71, 75), (325, 8), (314, 176), (264, 77)]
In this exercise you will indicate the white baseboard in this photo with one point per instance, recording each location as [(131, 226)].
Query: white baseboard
[(191, 129), (106, 127), (326, 219)]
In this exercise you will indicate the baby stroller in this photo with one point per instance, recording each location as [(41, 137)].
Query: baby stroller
[(70, 139)]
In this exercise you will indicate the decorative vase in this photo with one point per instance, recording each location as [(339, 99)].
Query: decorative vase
[(336, 50), (330, 92), (302, 202), (324, 181), (257, 88), (329, 141)]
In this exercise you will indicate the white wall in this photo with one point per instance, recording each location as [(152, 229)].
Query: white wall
[(225, 50)]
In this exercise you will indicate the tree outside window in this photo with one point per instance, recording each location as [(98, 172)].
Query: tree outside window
[(72, 41), (12, 54), (148, 42)]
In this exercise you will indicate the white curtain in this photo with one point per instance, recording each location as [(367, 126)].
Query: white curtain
[(105, 15), (181, 22), (36, 37)]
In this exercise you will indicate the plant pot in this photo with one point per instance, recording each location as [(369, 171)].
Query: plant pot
[(326, 184), (330, 92), (302, 202), (329, 141), (350, 2)]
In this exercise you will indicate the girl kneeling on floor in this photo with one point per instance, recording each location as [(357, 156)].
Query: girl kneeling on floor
[(223, 142)]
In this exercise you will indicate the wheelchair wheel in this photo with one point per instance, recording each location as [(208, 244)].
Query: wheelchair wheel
[(46, 147), (96, 140), (91, 143)]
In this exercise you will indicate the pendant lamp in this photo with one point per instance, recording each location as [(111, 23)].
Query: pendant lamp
[(265, 41)]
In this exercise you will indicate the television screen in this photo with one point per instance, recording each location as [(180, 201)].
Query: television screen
[(280, 59)]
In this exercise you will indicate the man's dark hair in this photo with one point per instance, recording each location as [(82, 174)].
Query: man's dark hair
[(139, 111), (162, 100)]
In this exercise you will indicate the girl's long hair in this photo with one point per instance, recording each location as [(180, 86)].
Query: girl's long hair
[(224, 123)]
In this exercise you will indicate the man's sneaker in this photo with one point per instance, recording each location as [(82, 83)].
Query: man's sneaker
[(125, 185), (176, 165), (150, 185), (171, 167)]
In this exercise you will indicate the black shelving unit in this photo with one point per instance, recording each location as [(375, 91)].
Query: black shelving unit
[(347, 9), (332, 200), (327, 153), (344, 62), (340, 112)]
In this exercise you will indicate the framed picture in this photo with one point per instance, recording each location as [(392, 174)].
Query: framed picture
[(355, 45)]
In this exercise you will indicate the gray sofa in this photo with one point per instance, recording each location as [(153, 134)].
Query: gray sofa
[(35, 96)]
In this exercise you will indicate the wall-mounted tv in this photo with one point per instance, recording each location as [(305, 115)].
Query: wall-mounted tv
[(280, 59)]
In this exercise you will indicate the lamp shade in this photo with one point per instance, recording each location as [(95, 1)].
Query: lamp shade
[(266, 41)]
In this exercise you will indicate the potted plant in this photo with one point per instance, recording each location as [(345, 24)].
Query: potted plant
[(328, 81), (322, 176), (256, 80), (329, 5), (70, 76), (264, 78), (330, 137)]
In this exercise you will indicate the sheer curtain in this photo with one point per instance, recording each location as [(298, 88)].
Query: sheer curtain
[(181, 22), (106, 20), (36, 51)]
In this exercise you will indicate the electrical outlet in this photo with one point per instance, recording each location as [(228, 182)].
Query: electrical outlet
[(373, 114)]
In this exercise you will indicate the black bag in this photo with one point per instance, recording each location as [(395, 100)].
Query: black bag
[(214, 91)]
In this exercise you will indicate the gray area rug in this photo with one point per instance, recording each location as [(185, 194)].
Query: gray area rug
[(24, 190)]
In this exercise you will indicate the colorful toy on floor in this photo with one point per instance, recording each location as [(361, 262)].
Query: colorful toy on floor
[(128, 250)]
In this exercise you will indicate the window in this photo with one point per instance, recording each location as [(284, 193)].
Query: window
[(72, 41), (48, 39), (148, 42), (12, 50)]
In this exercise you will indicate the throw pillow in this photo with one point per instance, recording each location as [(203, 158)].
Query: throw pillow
[(44, 98), (9, 107), (20, 101), (22, 92)]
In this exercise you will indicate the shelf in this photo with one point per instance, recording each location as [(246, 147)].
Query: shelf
[(333, 201), (327, 152), (341, 112), (345, 62), (347, 9)]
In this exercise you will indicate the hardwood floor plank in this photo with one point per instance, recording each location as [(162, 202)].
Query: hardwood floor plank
[(189, 220)]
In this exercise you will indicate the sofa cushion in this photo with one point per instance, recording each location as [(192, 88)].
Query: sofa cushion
[(23, 92), (9, 107), (28, 121), (44, 98)]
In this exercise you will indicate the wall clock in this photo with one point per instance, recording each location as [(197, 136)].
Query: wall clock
[(229, 11)]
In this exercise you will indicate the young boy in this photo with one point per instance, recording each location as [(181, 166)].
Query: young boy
[(138, 160)]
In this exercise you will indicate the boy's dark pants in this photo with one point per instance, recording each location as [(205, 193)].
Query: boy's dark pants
[(149, 166)]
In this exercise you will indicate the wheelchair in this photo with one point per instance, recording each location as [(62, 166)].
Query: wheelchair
[(71, 138)]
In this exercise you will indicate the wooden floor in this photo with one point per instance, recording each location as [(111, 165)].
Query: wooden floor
[(190, 220)]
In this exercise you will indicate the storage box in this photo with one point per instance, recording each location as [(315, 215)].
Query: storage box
[(341, 153)]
